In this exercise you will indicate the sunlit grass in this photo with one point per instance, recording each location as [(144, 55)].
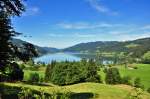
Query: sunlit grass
[(101, 91), (143, 72)]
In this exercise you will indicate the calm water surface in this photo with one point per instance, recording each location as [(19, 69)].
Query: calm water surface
[(65, 56), (58, 57)]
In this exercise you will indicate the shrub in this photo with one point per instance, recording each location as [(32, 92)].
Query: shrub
[(105, 69), (22, 66), (146, 57), (126, 80), (30, 62), (113, 76), (136, 93), (12, 73), (41, 79), (148, 90), (137, 83), (135, 67), (4, 77), (34, 77)]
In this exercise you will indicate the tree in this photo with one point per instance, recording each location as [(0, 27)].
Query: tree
[(99, 58), (92, 75), (115, 56), (6, 32), (8, 51), (65, 73), (49, 70), (125, 58), (12, 7), (146, 58), (8, 8), (113, 76), (28, 53)]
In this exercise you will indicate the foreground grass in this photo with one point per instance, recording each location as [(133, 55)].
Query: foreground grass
[(101, 91)]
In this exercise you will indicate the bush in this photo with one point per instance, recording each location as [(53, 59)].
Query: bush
[(126, 80), (41, 79), (136, 93), (17, 73), (137, 83), (12, 73), (135, 67), (148, 90), (113, 76), (22, 66), (34, 77), (4, 77), (146, 58)]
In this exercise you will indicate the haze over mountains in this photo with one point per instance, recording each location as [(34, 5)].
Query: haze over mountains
[(41, 50), (137, 46)]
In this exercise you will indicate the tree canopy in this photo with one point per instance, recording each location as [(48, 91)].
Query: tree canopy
[(12, 7)]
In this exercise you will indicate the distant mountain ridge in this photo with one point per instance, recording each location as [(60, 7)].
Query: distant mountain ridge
[(41, 50), (137, 46)]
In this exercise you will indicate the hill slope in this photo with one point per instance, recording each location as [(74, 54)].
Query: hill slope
[(138, 46)]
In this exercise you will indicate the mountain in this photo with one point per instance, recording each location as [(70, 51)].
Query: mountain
[(41, 50), (136, 46)]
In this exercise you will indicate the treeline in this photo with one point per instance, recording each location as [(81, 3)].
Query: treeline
[(66, 73)]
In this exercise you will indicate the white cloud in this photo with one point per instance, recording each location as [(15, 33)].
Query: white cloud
[(146, 27), (126, 37), (55, 35), (84, 25), (101, 8), (84, 35), (31, 11), (122, 32)]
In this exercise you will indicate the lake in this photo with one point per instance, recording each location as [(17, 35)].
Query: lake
[(67, 56)]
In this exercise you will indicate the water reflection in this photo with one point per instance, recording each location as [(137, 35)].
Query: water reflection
[(70, 57)]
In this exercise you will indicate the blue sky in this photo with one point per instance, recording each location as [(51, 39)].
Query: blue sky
[(63, 23)]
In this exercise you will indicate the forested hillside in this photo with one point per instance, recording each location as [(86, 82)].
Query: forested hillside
[(138, 46)]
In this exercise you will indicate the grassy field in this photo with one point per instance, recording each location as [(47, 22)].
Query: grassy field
[(143, 72), (100, 91)]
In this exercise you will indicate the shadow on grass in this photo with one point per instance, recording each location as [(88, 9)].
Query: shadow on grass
[(82, 96), (38, 84), (9, 92)]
